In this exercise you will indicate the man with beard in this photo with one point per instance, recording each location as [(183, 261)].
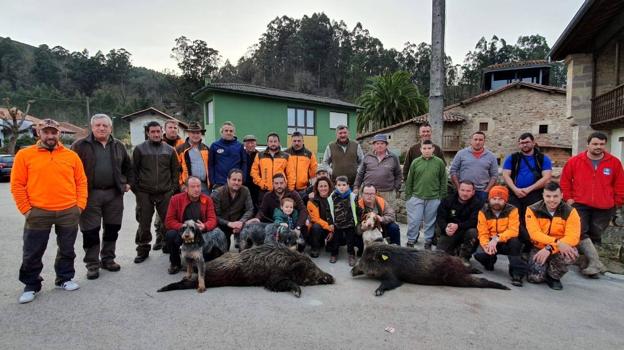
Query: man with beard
[(457, 220), (497, 228), (424, 133), (302, 165), (475, 164), (233, 205), (343, 156), (109, 173), (156, 174), (249, 141), (593, 183), (273, 200), (267, 164), (225, 154), (49, 187), (525, 173)]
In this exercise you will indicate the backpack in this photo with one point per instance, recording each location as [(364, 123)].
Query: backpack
[(515, 164)]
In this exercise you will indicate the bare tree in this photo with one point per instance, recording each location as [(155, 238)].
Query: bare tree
[(436, 90), (13, 122)]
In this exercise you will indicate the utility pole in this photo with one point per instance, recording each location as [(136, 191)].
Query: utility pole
[(88, 112), (437, 80)]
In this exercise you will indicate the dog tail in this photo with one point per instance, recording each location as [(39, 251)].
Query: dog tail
[(183, 284), (485, 283)]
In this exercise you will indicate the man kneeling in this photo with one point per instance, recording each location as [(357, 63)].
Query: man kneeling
[(189, 205), (555, 230)]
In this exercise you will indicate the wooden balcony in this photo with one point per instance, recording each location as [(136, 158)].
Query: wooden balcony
[(451, 143), (608, 109)]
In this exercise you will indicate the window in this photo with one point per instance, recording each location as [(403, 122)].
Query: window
[(302, 120), (210, 108), (483, 126), (336, 119), (543, 129)]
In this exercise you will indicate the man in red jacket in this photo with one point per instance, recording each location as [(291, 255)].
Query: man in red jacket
[(593, 183), (189, 205)]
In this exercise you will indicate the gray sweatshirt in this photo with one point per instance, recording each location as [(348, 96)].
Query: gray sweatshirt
[(476, 170)]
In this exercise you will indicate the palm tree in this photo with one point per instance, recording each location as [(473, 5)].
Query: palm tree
[(389, 99)]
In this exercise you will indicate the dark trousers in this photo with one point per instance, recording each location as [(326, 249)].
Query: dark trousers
[(173, 240), (463, 243), (146, 203), (511, 248), (593, 221), (316, 238), (393, 232), (522, 203), (349, 236), (36, 235), (103, 207)]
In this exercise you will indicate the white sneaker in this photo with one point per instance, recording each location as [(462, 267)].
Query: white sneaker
[(27, 297), (69, 285)]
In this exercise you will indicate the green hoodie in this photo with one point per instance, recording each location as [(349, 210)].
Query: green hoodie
[(426, 179)]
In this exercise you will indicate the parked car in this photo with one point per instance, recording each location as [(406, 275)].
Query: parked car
[(6, 164)]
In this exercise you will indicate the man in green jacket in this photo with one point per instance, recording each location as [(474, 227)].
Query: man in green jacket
[(424, 188)]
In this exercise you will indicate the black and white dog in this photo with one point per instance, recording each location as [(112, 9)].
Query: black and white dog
[(198, 247), (256, 234)]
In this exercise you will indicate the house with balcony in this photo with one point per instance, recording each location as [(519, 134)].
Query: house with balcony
[(532, 71), (591, 47), (502, 114)]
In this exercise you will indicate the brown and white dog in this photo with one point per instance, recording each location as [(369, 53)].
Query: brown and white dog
[(371, 229)]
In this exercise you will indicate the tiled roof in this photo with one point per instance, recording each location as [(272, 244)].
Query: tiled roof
[(262, 91), (449, 117), (66, 128), (517, 64), (154, 110)]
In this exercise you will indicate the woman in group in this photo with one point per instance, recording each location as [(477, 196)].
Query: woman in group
[(319, 210)]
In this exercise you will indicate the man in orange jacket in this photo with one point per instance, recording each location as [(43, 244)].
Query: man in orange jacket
[(268, 163), (302, 165), (555, 228), (497, 227), (36, 170)]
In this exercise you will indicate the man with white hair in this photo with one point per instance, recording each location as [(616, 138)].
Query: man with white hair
[(109, 173)]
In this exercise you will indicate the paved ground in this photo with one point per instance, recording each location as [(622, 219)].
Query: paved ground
[(122, 310)]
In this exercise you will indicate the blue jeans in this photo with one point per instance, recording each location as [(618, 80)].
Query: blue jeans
[(421, 211), (393, 231)]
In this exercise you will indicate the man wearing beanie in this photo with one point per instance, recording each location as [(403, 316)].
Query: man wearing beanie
[(497, 228)]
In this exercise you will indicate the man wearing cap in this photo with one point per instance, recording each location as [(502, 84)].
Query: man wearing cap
[(49, 187), (497, 228), (475, 164), (225, 154), (302, 165), (156, 176), (382, 169), (424, 133), (109, 173), (343, 156), (249, 142), (424, 189), (193, 158)]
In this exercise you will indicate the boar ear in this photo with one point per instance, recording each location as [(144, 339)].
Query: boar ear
[(382, 257)]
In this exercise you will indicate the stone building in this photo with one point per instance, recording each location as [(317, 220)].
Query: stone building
[(591, 46), (502, 114)]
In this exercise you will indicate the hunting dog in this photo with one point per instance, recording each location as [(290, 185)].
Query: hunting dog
[(256, 234), (371, 229), (198, 247)]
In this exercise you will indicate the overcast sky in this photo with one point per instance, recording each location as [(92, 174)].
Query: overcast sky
[(147, 29)]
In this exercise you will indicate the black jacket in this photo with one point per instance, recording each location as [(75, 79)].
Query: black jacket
[(156, 168), (451, 210), (122, 166)]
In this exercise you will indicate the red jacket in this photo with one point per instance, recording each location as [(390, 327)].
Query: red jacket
[(175, 212), (602, 188)]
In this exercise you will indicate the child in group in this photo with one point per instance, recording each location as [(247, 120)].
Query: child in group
[(345, 212), (286, 214)]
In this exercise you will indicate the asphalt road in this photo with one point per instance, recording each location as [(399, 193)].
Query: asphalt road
[(122, 309)]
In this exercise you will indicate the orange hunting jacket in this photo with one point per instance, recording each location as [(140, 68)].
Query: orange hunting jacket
[(564, 225), (50, 180), (505, 226)]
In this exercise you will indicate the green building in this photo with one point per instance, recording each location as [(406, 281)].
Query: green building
[(259, 110)]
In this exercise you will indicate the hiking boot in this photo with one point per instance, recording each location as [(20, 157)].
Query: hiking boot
[(173, 269), (157, 246), (516, 281), (27, 297), (351, 260), (111, 266), (69, 286), (553, 283), (410, 244), (93, 273), (141, 258), (488, 264), (314, 253), (333, 259), (427, 245), (595, 266)]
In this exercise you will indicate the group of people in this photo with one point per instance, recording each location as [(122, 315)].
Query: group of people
[(230, 184)]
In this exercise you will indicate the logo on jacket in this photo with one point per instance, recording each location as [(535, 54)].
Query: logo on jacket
[(220, 150), (606, 171)]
